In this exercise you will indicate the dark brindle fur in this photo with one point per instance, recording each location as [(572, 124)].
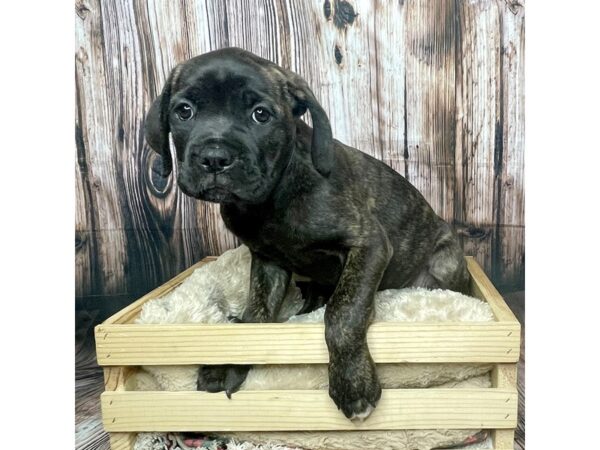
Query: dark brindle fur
[(302, 202)]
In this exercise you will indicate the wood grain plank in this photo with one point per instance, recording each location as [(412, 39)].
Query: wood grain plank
[(479, 121), (146, 247), (340, 67), (114, 381), (509, 239), (306, 410), (102, 267), (85, 251), (389, 342), (430, 101), (388, 56), (504, 376), (482, 288)]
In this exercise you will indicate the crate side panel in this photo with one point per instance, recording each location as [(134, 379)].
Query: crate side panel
[(306, 410), (302, 343)]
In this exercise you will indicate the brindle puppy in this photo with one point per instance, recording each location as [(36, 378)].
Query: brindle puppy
[(302, 202)]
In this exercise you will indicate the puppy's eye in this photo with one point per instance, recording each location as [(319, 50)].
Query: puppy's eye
[(184, 112), (261, 115)]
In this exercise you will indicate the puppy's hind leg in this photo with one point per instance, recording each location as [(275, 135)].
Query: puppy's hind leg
[(446, 267)]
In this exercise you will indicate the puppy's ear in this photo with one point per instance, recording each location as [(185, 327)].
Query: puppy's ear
[(157, 128), (322, 139)]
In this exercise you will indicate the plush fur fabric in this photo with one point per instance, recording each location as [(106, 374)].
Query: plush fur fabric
[(212, 293), (219, 289)]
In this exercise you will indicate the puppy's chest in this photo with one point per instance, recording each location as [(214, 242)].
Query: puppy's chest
[(297, 246)]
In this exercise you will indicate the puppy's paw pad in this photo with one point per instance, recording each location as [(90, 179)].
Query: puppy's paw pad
[(362, 415), (354, 388)]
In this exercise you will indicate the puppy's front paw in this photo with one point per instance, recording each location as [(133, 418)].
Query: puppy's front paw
[(353, 385), (226, 378)]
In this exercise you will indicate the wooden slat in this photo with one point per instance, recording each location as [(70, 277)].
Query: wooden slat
[(430, 104), (114, 381), (482, 288), (302, 343), (504, 376), (478, 123), (509, 240), (306, 410), (99, 262), (388, 84)]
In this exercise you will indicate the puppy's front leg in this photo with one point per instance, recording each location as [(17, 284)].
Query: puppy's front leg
[(268, 285), (353, 383)]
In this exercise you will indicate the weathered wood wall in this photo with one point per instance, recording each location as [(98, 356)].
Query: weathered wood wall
[(432, 87)]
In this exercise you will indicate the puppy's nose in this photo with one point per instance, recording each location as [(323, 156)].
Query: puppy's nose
[(216, 159)]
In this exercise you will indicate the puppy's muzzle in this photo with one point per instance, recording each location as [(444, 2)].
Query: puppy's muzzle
[(212, 159)]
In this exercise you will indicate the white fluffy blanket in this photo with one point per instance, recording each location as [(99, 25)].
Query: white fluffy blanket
[(219, 290)]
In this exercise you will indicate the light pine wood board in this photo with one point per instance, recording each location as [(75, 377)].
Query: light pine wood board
[(302, 343), (482, 288), (504, 376), (306, 410), (434, 89), (114, 381)]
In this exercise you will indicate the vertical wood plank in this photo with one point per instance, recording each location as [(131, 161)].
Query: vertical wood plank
[(100, 261), (149, 203), (388, 49), (340, 64), (478, 124), (509, 248), (430, 101), (114, 380), (504, 376), (85, 252)]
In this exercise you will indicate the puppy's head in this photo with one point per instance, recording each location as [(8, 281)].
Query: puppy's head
[(232, 118)]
